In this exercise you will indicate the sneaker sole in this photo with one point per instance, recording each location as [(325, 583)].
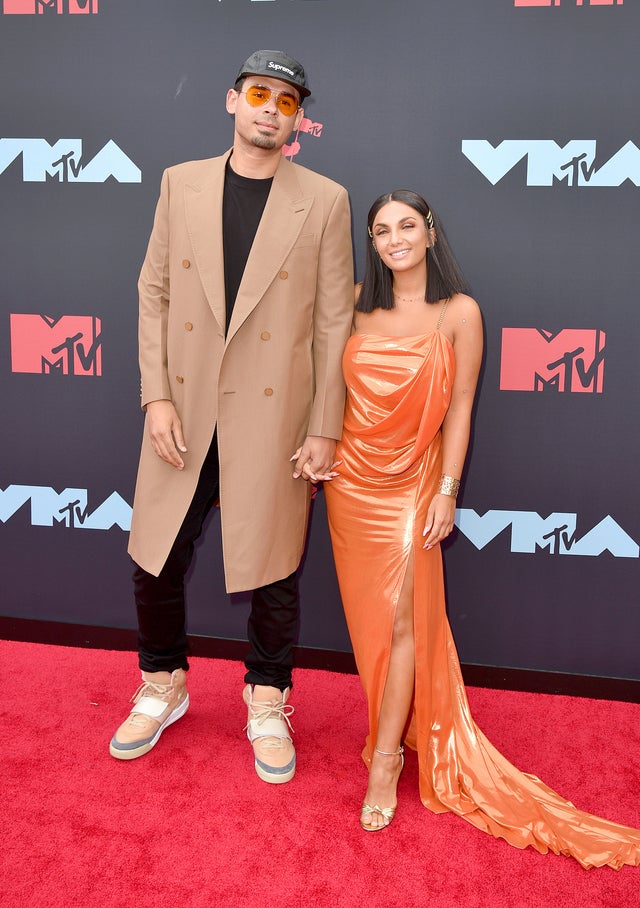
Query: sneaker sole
[(144, 748), (274, 778)]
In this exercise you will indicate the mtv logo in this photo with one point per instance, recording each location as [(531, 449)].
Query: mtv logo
[(571, 360), (556, 534), (69, 345), (64, 162), (307, 125), (573, 163), (49, 7), (68, 508)]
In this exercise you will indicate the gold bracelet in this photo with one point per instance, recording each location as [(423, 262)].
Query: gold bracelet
[(449, 486)]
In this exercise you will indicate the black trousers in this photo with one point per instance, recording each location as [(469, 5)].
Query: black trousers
[(162, 638)]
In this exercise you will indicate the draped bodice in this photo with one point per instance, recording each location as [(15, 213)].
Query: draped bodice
[(398, 392)]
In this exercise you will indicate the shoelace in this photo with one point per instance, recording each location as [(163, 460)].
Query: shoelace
[(161, 691), (260, 712)]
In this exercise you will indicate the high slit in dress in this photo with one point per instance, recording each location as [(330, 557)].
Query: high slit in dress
[(399, 389)]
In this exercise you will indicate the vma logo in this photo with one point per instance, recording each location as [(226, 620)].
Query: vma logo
[(557, 533), (307, 126), (68, 508), (69, 345), (567, 2), (570, 360), (49, 7), (63, 162), (549, 163)]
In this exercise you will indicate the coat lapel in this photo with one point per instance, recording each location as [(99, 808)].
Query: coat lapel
[(282, 220), (203, 207)]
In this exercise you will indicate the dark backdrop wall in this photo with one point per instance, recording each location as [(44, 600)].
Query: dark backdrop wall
[(518, 121)]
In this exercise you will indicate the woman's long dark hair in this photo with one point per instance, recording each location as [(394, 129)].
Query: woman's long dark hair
[(444, 277)]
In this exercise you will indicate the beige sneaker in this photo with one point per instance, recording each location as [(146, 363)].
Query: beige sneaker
[(160, 700), (269, 730)]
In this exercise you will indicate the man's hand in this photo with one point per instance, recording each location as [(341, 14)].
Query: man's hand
[(314, 460), (165, 432)]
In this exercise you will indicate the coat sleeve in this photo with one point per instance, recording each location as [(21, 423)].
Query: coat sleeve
[(333, 314), (154, 292)]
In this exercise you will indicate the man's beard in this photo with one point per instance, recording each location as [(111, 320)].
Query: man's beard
[(264, 141)]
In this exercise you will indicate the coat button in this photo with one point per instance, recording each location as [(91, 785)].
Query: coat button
[(186, 263), (265, 336), (268, 392), (283, 275), (179, 379), (188, 326)]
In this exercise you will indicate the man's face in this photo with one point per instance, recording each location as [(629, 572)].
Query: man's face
[(265, 126)]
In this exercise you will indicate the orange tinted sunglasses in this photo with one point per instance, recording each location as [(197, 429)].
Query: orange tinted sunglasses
[(257, 95)]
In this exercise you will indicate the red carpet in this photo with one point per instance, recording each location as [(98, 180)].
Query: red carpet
[(191, 825)]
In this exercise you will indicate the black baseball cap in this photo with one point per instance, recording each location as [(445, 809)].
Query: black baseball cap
[(278, 65)]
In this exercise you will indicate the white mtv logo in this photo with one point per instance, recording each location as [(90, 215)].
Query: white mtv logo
[(556, 533), (547, 161), (63, 161), (68, 507)]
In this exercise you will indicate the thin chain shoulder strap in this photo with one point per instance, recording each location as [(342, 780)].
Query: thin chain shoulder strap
[(442, 312)]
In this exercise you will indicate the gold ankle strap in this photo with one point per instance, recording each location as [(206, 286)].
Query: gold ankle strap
[(390, 753)]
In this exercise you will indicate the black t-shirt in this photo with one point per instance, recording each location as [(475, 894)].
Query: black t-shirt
[(242, 206)]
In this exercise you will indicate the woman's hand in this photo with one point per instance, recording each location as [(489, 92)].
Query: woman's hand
[(314, 460), (440, 517)]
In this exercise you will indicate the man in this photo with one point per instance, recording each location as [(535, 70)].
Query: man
[(246, 298)]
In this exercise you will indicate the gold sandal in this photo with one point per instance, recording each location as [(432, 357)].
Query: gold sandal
[(386, 812)]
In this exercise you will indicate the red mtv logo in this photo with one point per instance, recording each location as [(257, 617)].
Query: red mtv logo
[(54, 7), (306, 125), (70, 345), (538, 360)]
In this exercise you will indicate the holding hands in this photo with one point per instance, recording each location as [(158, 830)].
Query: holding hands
[(314, 460)]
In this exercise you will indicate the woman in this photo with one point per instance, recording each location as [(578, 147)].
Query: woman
[(411, 368)]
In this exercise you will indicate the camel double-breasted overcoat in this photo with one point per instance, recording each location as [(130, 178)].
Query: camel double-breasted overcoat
[(274, 379)]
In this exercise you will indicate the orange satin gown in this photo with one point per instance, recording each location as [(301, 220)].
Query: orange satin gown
[(399, 390)]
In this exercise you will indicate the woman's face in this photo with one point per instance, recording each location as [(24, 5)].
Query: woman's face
[(400, 236)]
